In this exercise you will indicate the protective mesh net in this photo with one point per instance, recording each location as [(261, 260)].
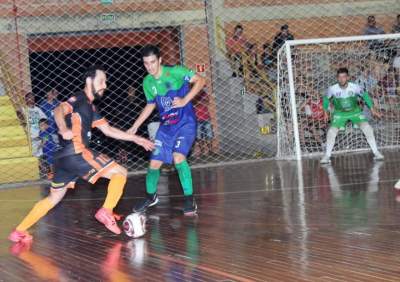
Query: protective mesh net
[(371, 64), (46, 45)]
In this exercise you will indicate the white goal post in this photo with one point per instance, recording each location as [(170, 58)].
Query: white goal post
[(306, 68)]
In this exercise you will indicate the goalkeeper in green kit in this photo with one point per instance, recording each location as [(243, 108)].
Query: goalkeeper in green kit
[(344, 96)]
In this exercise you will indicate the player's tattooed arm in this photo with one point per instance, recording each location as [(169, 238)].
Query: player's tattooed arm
[(198, 84)]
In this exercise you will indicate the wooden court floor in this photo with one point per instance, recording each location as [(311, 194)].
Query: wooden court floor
[(265, 221)]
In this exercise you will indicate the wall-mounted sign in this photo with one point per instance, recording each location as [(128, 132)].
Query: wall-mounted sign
[(107, 18)]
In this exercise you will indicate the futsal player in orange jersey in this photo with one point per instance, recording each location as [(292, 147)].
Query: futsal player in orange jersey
[(75, 118)]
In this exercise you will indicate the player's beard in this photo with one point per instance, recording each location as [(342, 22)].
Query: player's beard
[(96, 96)]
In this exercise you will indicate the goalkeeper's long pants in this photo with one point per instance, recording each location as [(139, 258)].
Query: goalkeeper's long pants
[(365, 128)]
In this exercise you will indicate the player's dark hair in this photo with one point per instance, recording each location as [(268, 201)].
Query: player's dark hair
[(150, 50), (29, 94), (43, 120), (342, 70), (91, 71)]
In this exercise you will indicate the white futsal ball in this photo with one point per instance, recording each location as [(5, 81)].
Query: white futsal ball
[(135, 225)]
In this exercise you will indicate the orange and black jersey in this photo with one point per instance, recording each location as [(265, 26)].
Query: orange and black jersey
[(80, 116)]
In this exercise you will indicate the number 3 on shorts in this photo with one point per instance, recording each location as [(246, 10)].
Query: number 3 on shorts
[(178, 143)]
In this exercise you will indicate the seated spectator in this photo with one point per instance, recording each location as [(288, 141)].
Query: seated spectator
[(49, 147), (280, 39), (205, 133), (236, 46), (396, 26)]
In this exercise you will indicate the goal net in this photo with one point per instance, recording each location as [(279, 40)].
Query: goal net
[(306, 68)]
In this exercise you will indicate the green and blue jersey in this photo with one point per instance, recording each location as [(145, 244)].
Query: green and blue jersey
[(173, 82)]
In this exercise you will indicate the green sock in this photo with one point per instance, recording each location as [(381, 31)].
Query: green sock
[(152, 180), (185, 176)]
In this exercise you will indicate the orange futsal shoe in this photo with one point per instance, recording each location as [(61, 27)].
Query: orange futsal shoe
[(20, 236), (107, 218)]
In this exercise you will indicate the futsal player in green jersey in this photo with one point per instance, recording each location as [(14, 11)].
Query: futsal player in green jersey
[(170, 90), (344, 96)]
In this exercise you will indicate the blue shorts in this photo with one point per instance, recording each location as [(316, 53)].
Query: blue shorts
[(204, 130), (171, 140)]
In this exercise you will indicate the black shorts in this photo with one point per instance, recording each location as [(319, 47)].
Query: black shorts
[(89, 165)]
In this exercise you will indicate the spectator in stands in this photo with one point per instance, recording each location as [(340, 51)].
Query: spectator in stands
[(34, 114), (396, 60), (205, 132), (378, 46), (396, 66), (48, 146), (366, 80), (47, 106), (280, 39), (267, 56), (235, 47), (371, 28), (316, 118), (388, 84), (268, 62), (396, 26)]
